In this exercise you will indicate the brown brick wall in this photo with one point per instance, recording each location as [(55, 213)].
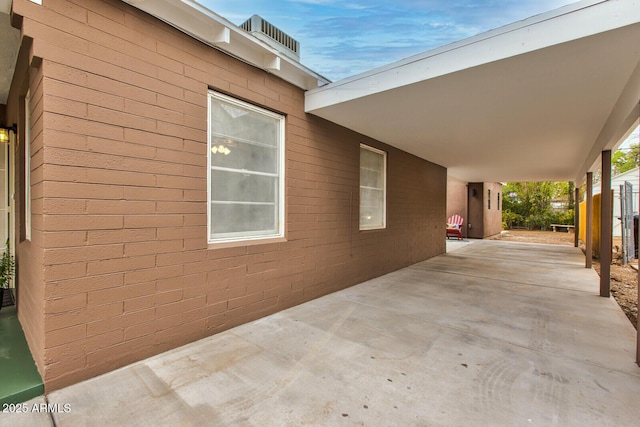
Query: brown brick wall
[(128, 272)]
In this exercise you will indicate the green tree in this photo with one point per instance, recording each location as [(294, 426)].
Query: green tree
[(624, 160), (529, 203)]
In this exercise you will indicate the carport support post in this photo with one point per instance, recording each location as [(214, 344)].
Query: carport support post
[(588, 245), (605, 225), (576, 217)]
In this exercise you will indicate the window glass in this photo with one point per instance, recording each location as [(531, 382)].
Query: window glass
[(372, 188), (246, 182)]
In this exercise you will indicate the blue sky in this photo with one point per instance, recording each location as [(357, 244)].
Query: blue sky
[(341, 38)]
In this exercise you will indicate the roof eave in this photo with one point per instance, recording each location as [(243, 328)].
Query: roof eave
[(210, 28)]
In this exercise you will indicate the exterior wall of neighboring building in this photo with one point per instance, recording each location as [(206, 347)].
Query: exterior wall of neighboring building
[(457, 199), (476, 210), (479, 203), (492, 221), (616, 182), (118, 267)]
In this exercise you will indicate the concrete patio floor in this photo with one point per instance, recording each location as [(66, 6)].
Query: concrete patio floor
[(490, 334)]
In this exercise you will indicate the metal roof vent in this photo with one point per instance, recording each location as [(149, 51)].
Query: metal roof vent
[(272, 35)]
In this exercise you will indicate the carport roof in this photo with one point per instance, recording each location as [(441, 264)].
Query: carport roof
[(539, 99)]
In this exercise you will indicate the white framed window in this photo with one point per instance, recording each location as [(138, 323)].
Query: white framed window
[(373, 188), (27, 166), (4, 189), (246, 171)]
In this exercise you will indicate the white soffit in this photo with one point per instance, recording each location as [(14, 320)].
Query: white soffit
[(534, 100), (9, 46), (5, 6), (206, 26)]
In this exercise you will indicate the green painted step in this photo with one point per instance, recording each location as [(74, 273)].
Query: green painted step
[(19, 378)]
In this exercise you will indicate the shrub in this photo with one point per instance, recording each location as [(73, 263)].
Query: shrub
[(543, 221), (509, 219)]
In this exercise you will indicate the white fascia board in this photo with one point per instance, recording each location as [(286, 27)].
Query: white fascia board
[(562, 25), (210, 28)]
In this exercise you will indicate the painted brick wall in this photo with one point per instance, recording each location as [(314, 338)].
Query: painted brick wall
[(127, 269), (29, 253)]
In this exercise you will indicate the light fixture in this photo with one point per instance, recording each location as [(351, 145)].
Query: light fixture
[(4, 133), (220, 149)]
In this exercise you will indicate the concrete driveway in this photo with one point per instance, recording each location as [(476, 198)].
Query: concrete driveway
[(491, 334)]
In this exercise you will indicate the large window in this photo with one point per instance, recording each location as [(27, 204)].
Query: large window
[(373, 182), (246, 171)]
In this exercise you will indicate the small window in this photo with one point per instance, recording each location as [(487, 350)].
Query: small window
[(246, 171), (373, 183), (498, 201), (489, 199)]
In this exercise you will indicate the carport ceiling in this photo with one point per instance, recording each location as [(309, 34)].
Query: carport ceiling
[(536, 100)]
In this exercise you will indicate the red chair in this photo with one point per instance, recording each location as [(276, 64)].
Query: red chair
[(454, 227)]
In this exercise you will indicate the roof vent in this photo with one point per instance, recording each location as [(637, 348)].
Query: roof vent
[(272, 35)]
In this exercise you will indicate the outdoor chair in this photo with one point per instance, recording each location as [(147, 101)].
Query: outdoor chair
[(454, 227)]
